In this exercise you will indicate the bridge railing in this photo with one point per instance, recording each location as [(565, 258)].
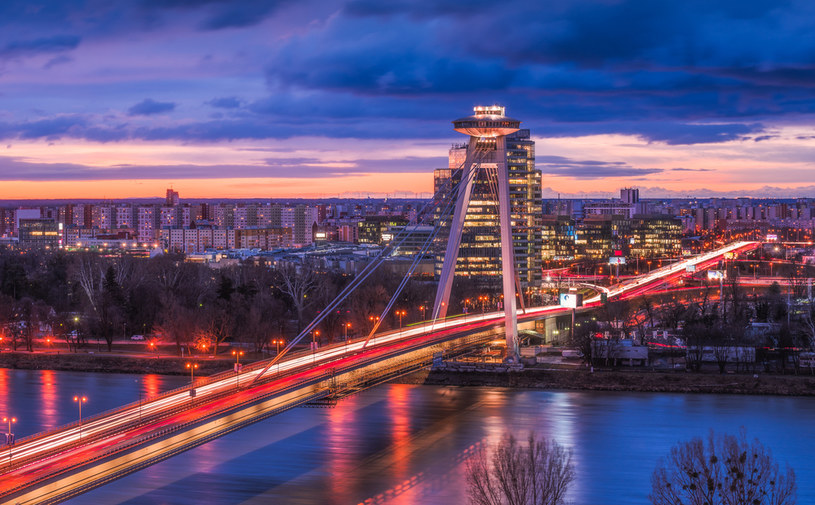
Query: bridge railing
[(228, 374), (201, 381)]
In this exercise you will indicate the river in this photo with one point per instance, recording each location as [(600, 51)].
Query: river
[(404, 444)]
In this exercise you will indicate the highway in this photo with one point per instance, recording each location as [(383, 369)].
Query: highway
[(41, 456)]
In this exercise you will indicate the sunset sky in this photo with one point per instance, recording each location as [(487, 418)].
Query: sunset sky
[(317, 98)]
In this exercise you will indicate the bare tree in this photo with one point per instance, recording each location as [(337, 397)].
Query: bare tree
[(90, 274), (297, 283), (538, 473), (726, 470)]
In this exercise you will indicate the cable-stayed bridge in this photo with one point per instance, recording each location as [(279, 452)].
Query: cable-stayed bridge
[(53, 466)]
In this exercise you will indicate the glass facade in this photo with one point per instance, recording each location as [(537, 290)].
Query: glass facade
[(480, 251)]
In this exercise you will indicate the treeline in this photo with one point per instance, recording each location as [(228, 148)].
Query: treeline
[(775, 323), (79, 297)]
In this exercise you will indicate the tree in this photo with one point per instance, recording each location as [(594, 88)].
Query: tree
[(583, 338), (538, 473), (726, 470), (297, 282)]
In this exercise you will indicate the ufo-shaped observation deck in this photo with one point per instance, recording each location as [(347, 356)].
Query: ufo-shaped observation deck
[(487, 122)]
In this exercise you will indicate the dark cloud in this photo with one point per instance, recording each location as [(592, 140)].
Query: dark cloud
[(12, 168), (589, 169), (149, 106), (51, 44), (221, 14), (674, 72), (50, 128), (58, 60), (669, 132), (229, 102)]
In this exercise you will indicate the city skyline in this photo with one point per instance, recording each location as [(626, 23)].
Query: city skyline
[(350, 98)]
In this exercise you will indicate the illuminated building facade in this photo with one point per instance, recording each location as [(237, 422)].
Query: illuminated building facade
[(480, 250), (655, 236), (36, 233)]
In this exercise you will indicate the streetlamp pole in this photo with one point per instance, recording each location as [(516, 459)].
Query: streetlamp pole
[(278, 342), (237, 355), (80, 400), (192, 367), (9, 436), (314, 335), (345, 334)]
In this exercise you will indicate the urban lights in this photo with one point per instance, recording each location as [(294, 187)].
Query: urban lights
[(278, 342), (191, 367), (9, 435), (314, 335), (237, 355), (79, 400), (401, 314)]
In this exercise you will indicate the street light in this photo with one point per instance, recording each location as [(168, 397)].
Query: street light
[(345, 334), (9, 435), (80, 400), (400, 313), (192, 367), (237, 355), (278, 342), (423, 309)]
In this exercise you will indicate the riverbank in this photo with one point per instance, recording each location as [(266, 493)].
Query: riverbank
[(101, 363), (629, 380), (531, 378)]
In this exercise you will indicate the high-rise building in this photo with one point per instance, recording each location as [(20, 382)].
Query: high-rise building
[(38, 233), (172, 198), (148, 222), (480, 250), (630, 195)]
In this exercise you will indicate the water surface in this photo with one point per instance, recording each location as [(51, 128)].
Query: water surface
[(402, 444)]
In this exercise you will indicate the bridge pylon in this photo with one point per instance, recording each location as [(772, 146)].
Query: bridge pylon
[(487, 150)]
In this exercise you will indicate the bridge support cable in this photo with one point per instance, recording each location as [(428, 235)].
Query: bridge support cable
[(439, 199), (472, 164), (418, 257)]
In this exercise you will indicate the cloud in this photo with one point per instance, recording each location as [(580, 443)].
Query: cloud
[(149, 107), (646, 192), (668, 132), (561, 166), (675, 73), (57, 60), (51, 44), (229, 102), (50, 128), (15, 168), (221, 14)]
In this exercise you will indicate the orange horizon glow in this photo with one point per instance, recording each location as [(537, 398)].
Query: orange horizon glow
[(393, 184), (658, 168)]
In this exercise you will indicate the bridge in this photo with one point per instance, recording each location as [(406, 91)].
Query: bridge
[(52, 466)]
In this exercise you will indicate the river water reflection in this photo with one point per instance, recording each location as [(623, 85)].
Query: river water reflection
[(400, 444)]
